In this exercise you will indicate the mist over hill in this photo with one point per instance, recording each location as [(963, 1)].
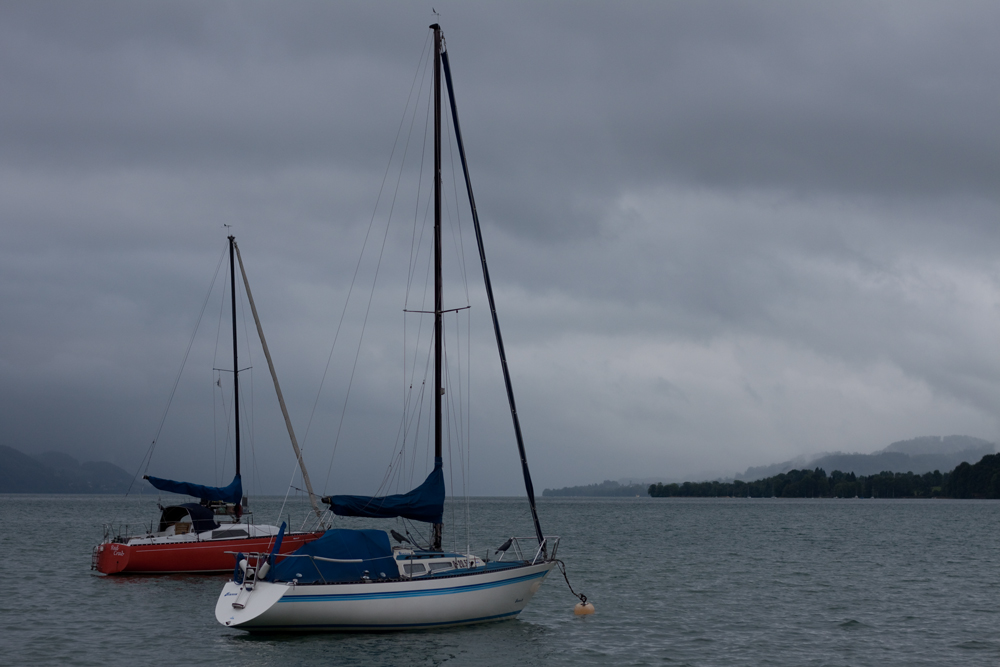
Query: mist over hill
[(919, 455), (55, 472)]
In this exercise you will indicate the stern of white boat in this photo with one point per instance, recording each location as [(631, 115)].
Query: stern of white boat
[(237, 605)]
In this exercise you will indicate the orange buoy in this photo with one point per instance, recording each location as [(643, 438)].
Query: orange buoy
[(583, 609)]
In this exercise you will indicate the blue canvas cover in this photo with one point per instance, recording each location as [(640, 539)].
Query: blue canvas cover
[(424, 503), (230, 494), (371, 546), (202, 518)]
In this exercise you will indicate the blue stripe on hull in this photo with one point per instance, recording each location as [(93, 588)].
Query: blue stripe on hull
[(387, 626), (345, 597)]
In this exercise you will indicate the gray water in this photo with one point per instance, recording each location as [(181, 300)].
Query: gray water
[(674, 581)]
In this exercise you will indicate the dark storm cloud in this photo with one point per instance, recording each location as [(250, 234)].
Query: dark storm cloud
[(721, 233)]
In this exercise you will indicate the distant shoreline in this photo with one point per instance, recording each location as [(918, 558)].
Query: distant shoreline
[(965, 482)]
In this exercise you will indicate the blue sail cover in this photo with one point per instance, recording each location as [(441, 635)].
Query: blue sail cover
[(424, 503), (230, 494), (371, 547)]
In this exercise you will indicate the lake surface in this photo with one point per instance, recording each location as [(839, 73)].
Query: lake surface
[(674, 581)]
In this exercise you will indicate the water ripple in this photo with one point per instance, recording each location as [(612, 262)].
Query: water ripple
[(698, 582)]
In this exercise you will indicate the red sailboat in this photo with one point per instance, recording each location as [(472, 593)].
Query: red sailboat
[(189, 537)]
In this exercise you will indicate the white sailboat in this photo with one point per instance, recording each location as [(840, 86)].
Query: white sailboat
[(355, 580)]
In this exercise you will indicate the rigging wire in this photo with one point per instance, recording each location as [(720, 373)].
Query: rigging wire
[(459, 429), (467, 477), (430, 344), (215, 435), (460, 245), (464, 442), (228, 412), (447, 417), (147, 458), (415, 243), (357, 353), (415, 246), (215, 366), (358, 266), (222, 391), (415, 250), (401, 436), (248, 413), (462, 420)]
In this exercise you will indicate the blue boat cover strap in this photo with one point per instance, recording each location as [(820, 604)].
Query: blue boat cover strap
[(371, 547), (277, 544), (237, 572), (230, 494), (424, 503)]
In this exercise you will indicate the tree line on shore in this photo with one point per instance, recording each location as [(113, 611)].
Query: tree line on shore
[(607, 488), (981, 480)]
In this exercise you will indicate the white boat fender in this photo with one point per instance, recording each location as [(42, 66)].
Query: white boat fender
[(243, 566), (264, 569)]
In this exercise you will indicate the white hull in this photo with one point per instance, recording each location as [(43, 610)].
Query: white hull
[(382, 605)]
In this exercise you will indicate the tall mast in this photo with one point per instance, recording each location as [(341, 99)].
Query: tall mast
[(236, 367), (438, 297)]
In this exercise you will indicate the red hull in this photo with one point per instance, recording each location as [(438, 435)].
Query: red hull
[(187, 557)]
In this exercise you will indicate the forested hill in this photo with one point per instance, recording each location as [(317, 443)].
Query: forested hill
[(54, 472), (981, 480)]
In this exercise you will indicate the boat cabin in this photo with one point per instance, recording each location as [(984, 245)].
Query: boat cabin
[(187, 518), (413, 563)]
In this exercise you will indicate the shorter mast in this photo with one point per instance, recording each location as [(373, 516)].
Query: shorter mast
[(277, 390)]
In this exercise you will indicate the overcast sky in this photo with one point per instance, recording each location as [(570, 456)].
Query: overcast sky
[(721, 234)]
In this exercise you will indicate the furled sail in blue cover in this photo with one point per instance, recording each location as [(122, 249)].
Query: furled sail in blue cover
[(230, 494), (424, 503), (365, 551)]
